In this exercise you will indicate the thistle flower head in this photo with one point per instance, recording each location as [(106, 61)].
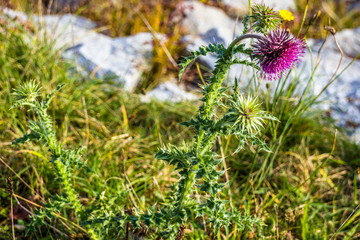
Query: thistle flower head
[(278, 52), (246, 115)]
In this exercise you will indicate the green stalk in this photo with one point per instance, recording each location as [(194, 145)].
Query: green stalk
[(61, 168), (250, 12), (188, 186), (62, 171)]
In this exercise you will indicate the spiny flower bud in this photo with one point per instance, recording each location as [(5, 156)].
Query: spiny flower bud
[(246, 115), (264, 18), (29, 91), (278, 52)]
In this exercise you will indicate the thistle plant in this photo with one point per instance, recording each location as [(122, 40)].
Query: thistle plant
[(63, 161)]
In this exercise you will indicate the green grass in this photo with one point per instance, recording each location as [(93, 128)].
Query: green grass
[(304, 193), (335, 13)]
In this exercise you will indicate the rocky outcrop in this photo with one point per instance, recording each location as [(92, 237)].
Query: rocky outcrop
[(209, 23)]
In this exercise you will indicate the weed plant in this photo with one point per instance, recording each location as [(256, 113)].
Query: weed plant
[(300, 187)]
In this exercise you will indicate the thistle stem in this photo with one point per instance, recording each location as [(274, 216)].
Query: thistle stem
[(62, 169), (242, 37)]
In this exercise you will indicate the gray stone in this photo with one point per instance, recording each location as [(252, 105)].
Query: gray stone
[(123, 59), (329, 59), (67, 30), (15, 14), (169, 91), (209, 23), (355, 136)]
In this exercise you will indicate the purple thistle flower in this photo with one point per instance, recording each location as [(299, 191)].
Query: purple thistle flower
[(278, 52)]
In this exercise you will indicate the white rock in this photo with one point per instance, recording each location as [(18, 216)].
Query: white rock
[(357, 94), (210, 23), (355, 136), (124, 59), (328, 63), (14, 14), (169, 91), (67, 30)]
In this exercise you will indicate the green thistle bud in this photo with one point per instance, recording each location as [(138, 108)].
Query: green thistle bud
[(246, 116), (264, 19), (27, 92)]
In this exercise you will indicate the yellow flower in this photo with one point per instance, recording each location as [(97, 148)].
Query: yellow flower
[(286, 15)]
